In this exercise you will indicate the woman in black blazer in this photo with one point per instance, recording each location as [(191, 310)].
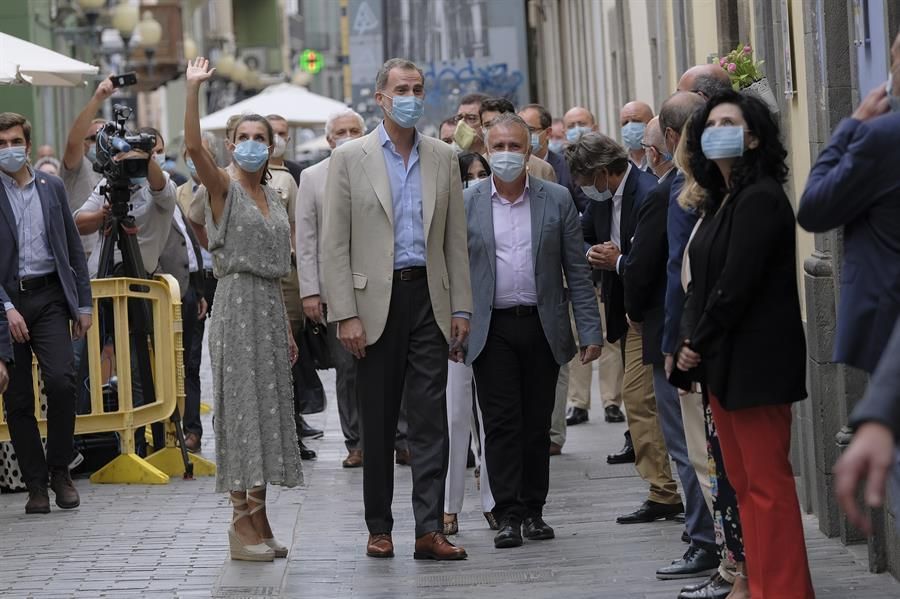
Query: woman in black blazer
[(742, 331)]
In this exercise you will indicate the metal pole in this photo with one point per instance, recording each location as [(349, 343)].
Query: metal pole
[(345, 51)]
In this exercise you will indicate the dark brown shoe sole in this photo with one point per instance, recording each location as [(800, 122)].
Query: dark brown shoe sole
[(67, 506), (429, 555), (390, 554), (37, 511)]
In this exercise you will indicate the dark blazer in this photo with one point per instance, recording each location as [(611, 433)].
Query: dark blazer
[(881, 402), (564, 178), (65, 245), (645, 270), (855, 183), (679, 224), (596, 223), (742, 309), (557, 250), (6, 350)]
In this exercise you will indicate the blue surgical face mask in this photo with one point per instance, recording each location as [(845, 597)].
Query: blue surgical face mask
[(556, 145), (575, 133), (250, 155), (893, 100), (406, 110), (632, 135), (191, 167), (507, 165), (535, 141), (595, 194), (13, 158), (722, 142), (92, 154), (138, 181), (160, 159)]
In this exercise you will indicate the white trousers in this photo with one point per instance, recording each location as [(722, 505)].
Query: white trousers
[(460, 400)]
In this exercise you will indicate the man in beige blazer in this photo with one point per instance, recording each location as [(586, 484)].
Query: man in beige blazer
[(396, 271)]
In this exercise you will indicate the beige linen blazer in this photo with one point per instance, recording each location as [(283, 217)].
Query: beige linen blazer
[(541, 169), (310, 214), (358, 235)]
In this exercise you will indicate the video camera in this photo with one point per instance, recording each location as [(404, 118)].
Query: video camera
[(113, 139)]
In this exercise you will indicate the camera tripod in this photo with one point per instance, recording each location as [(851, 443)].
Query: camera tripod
[(122, 230)]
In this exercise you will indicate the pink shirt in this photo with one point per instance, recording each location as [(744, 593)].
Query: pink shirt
[(512, 240)]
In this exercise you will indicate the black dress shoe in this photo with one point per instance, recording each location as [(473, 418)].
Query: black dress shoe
[(613, 414), (535, 529), (696, 561), (715, 584), (306, 453), (308, 432), (626, 456), (714, 587), (510, 535), (651, 511), (685, 537), (576, 416)]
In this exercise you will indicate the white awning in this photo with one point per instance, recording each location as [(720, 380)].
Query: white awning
[(299, 106), (24, 63)]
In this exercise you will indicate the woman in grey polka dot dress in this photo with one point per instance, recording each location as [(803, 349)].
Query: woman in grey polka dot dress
[(249, 340)]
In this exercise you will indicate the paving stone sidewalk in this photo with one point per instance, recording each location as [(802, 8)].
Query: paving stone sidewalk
[(170, 541)]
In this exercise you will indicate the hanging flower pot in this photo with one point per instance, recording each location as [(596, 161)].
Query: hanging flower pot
[(761, 90), (747, 76)]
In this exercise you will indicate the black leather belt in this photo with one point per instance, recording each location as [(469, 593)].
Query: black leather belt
[(410, 274), (35, 283), (517, 310), (208, 273)]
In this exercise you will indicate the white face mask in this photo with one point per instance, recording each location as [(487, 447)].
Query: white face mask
[(280, 146), (341, 141), (596, 195), (507, 166)]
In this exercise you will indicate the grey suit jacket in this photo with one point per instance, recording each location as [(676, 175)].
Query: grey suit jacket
[(174, 259), (881, 402), (65, 245), (309, 219), (557, 247)]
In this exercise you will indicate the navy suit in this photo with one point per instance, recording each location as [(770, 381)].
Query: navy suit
[(596, 225), (564, 178), (6, 352), (48, 304), (679, 224), (855, 183)]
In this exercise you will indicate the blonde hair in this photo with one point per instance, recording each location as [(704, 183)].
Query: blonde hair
[(692, 196)]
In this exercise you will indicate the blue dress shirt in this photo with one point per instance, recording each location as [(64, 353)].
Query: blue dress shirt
[(406, 199), (35, 256)]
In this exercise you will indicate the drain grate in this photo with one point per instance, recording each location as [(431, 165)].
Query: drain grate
[(240, 592), (483, 578)]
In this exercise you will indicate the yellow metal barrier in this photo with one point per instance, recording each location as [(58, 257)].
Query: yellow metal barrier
[(167, 366)]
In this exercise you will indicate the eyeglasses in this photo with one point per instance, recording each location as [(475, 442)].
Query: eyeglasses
[(648, 146), (472, 119), (91, 138)]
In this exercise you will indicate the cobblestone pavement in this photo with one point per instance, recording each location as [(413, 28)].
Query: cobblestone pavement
[(170, 541)]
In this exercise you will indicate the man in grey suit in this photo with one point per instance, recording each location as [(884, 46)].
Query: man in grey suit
[(523, 235), (46, 297), (873, 453)]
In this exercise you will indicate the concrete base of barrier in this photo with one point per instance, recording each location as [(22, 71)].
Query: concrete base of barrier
[(205, 408), (129, 468), (169, 460)]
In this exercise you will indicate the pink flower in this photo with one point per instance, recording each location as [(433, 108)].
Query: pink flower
[(732, 67), (748, 49), (722, 62)]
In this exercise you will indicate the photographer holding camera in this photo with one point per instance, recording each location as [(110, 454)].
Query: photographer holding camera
[(152, 204)]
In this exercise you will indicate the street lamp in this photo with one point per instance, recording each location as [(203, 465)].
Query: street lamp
[(124, 20), (225, 65), (91, 9), (190, 48), (240, 73), (150, 33)]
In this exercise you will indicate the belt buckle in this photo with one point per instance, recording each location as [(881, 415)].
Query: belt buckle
[(405, 275), (22, 286)]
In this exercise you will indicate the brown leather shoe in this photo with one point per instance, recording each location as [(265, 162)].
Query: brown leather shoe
[(192, 442), (401, 456), (435, 545), (555, 449), (380, 545), (353, 459), (61, 483), (38, 500)]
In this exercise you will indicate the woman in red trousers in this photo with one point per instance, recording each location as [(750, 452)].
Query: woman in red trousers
[(742, 332)]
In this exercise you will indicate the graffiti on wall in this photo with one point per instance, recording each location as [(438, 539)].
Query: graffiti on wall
[(446, 82)]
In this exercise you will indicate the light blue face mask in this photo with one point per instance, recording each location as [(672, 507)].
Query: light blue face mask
[(160, 159), (893, 100), (13, 158), (250, 155), (596, 195), (191, 167), (406, 110), (535, 141), (557, 146), (633, 134), (92, 154), (575, 133), (138, 181), (722, 142), (507, 165)]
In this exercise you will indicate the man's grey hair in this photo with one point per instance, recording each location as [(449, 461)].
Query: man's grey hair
[(710, 86), (337, 114), (395, 63), (509, 119), (594, 151)]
